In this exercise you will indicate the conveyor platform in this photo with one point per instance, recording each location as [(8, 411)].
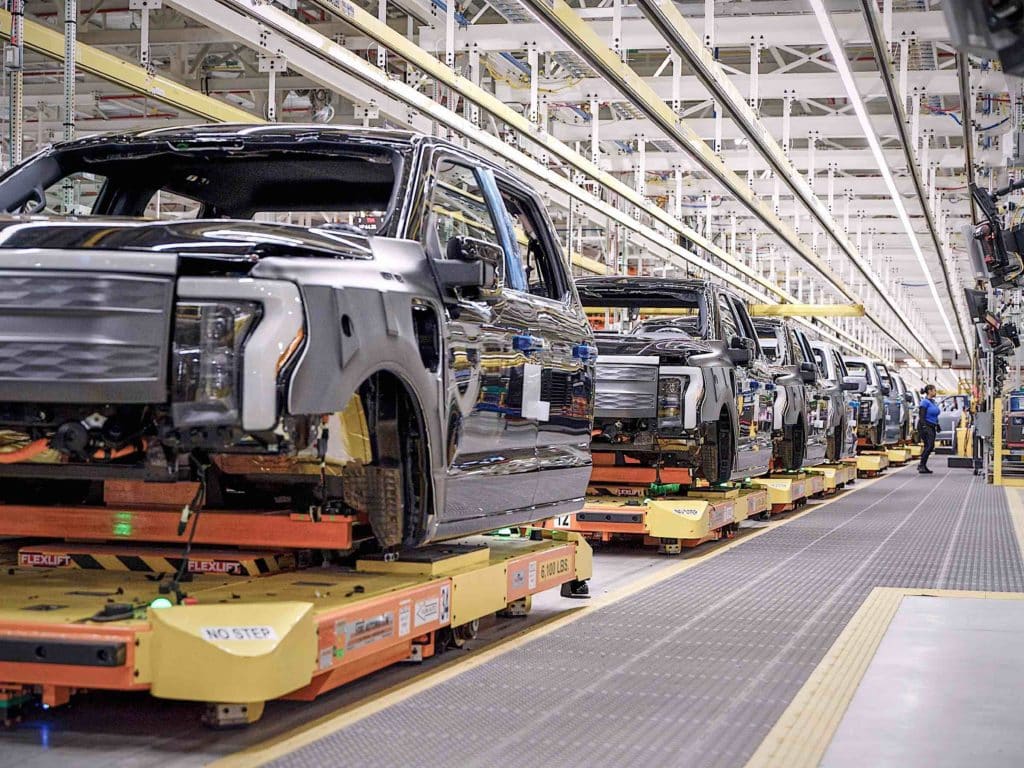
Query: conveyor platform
[(671, 522), (834, 477), (252, 627), (898, 456), (695, 668), (789, 490), (872, 463)]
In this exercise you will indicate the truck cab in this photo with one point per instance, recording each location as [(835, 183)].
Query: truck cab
[(842, 391), (788, 347), (878, 411), (412, 353), (681, 376)]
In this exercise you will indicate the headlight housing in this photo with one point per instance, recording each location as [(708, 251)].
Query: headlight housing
[(207, 360), (670, 402)]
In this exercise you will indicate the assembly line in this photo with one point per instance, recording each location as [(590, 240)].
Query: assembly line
[(508, 382)]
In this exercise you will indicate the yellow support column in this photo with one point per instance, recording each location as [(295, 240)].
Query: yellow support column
[(997, 452)]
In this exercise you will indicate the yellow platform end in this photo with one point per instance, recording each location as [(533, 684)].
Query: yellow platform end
[(782, 490), (242, 653), (898, 455), (679, 518), (872, 462)]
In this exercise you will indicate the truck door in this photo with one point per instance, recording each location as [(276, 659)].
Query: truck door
[(754, 399), (491, 437), (563, 360), (817, 410), (893, 404)]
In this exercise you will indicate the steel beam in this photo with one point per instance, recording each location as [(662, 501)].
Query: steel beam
[(827, 126), (898, 105), (131, 77), (963, 73), (425, 62), (571, 28), (848, 160), (730, 31)]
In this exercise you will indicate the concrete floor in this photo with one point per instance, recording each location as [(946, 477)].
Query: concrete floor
[(943, 690)]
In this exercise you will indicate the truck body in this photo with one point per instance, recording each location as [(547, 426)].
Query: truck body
[(682, 379), (879, 411), (842, 392), (788, 347), (410, 348)]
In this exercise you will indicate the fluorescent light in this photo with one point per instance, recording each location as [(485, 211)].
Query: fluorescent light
[(843, 68)]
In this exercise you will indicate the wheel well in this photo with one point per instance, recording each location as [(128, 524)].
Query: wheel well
[(398, 437), (725, 422)]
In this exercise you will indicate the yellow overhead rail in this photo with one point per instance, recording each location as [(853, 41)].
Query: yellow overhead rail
[(807, 310), (132, 77)]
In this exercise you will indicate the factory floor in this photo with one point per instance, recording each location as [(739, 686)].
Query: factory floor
[(880, 627)]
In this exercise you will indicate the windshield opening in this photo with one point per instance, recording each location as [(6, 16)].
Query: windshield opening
[(325, 184), (858, 369), (645, 310)]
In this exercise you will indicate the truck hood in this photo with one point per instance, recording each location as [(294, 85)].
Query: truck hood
[(668, 349), (230, 244)]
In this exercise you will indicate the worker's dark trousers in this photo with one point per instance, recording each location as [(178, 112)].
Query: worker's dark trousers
[(927, 432)]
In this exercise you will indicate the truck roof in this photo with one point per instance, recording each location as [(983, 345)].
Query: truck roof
[(255, 132)]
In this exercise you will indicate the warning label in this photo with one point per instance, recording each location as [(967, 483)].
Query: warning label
[(721, 514), (256, 632), (446, 605), (43, 560), (362, 632), (427, 610)]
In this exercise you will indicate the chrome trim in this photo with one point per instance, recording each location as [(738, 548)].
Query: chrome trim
[(281, 322)]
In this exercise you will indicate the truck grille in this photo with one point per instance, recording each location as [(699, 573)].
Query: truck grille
[(73, 337), (626, 387), (624, 401)]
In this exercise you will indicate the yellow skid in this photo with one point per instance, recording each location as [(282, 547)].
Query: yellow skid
[(872, 462), (784, 491), (240, 640), (898, 456), (833, 476)]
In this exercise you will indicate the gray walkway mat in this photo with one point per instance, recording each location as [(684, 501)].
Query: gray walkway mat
[(695, 670)]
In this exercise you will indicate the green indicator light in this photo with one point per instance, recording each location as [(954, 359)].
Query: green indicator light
[(161, 602), (122, 524)]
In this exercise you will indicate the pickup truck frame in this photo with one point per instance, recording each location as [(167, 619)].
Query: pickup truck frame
[(689, 385), (417, 355)]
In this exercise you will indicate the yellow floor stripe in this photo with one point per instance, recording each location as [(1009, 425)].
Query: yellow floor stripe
[(1015, 501), (802, 735), (287, 743)]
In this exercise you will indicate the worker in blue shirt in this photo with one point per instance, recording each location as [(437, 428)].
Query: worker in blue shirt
[(927, 426)]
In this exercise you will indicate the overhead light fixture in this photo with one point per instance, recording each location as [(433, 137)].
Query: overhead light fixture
[(853, 95)]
